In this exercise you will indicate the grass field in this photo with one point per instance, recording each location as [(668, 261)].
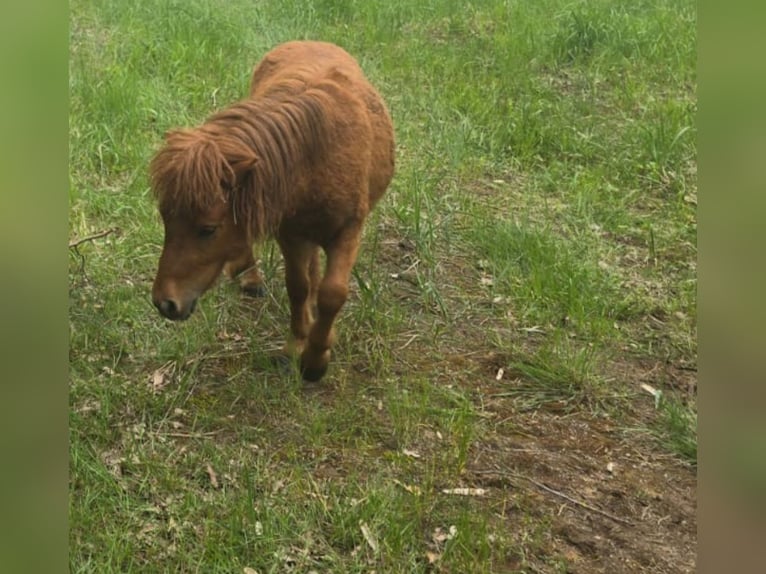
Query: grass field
[(531, 267)]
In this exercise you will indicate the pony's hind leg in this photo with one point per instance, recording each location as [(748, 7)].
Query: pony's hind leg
[(331, 296), (301, 278), (315, 276), (244, 270)]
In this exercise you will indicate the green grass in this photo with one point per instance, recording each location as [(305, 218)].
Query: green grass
[(542, 220), (678, 428)]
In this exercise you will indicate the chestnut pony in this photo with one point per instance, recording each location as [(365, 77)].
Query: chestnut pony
[(303, 160)]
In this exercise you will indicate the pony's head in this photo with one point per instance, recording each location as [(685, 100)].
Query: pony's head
[(195, 179)]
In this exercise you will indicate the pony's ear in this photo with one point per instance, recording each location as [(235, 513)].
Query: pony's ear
[(239, 158), (237, 171), (243, 165), (226, 185)]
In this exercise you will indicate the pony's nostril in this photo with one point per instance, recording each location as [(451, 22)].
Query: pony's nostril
[(174, 310), (168, 308)]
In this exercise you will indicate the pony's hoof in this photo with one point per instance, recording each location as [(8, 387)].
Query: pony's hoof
[(314, 364), (312, 375), (256, 290)]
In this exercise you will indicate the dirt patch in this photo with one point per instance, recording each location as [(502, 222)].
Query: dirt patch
[(612, 505), (609, 499), (613, 501)]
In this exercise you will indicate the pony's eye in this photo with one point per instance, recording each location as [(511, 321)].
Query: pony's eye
[(206, 231)]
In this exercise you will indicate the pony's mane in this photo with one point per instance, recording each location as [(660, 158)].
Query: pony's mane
[(249, 154)]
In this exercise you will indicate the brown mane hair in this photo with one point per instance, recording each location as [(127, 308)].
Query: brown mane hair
[(249, 154)]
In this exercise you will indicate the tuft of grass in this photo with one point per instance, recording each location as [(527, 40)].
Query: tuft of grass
[(559, 373), (550, 278), (677, 428)]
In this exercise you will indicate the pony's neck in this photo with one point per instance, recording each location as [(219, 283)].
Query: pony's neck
[(285, 134)]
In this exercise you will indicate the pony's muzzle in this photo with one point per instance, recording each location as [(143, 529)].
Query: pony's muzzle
[(174, 310)]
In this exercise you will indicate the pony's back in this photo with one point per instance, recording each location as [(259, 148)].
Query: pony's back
[(293, 67), (301, 64)]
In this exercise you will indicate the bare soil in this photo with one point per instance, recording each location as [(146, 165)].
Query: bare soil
[(612, 500)]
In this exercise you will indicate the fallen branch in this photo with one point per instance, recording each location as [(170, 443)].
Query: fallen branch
[(579, 503), (188, 434), (91, 237)]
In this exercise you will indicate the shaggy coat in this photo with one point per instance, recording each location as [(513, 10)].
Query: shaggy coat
[(304, 159)]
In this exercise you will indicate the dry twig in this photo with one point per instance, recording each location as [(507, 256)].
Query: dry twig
[(579, 503), (98, 235)]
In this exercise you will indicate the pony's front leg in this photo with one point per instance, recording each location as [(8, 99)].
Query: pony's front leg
[(331, 296), (301, 260), (244, 269)]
